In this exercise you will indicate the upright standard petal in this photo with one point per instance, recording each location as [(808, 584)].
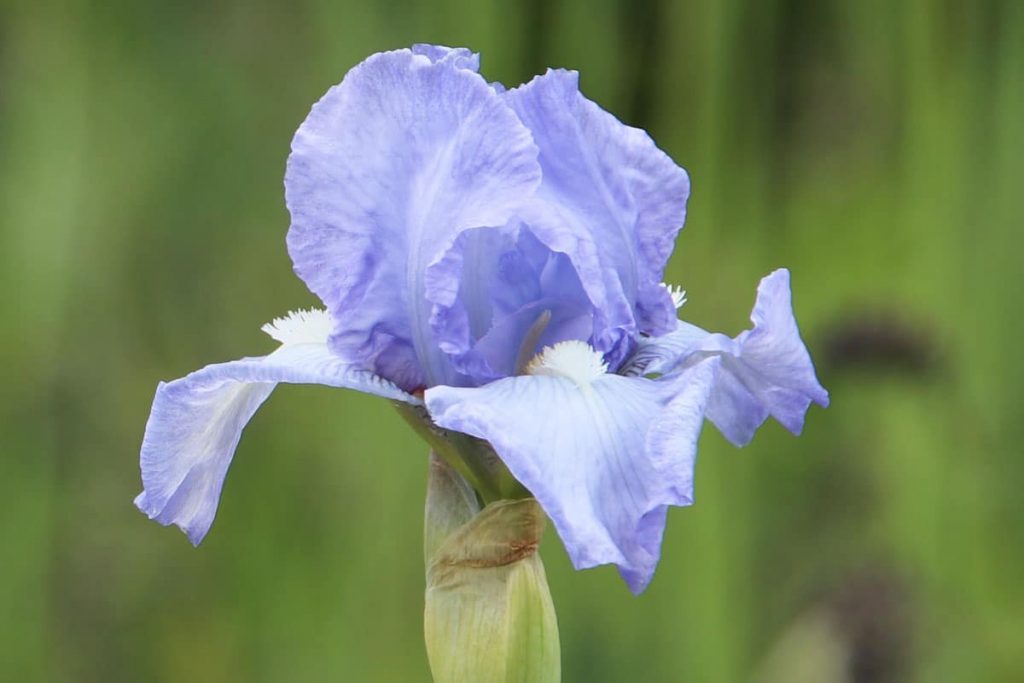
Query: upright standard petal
[(459, 57), (611, 200), (765, 371), (603, 454), (196, 423), (385, 173)]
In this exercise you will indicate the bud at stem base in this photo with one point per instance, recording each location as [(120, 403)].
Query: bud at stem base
[(488, 616)]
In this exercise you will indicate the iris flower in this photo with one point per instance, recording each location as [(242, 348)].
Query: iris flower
[(494, 259)]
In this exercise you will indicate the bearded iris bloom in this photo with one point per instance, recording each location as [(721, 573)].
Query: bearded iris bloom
[(493, 258)]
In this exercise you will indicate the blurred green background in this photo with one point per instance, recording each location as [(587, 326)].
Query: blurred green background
[(876, 148)]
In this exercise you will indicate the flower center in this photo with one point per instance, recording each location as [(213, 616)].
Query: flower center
[(308, 326), (574, 360)]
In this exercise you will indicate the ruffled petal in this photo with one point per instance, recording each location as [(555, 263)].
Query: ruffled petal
[(772, 363), (386, 171), (610, 199), (459, 57), (765, 371), (197, 421), (603, 458)]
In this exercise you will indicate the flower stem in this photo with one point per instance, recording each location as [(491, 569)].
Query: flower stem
[(472, 458)]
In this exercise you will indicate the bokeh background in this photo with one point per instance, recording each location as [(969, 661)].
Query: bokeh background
[(875, 147)]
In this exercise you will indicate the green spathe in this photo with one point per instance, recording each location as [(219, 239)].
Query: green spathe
[(488, 616)]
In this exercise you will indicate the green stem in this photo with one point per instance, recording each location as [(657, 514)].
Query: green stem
[(472, 458)]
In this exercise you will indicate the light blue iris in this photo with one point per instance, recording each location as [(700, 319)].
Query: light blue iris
[(455, 230)]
